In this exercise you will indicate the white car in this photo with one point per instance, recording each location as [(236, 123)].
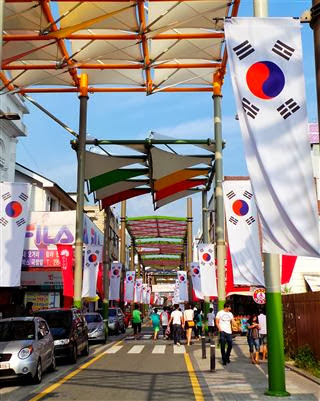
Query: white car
[(26, 348)]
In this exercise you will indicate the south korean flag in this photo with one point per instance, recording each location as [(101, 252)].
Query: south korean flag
[(265, 57), (14, 215), (243, 233)]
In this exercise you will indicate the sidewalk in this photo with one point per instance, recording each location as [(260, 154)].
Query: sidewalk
[(242, 381)]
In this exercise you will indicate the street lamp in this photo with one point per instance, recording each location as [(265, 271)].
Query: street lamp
[(9, 116)]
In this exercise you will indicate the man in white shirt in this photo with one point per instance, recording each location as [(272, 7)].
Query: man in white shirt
[(224, 320), (210, 317), (177, 323), (262, 320)]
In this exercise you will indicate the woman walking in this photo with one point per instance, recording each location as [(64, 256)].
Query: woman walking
[(253, 338), (189, 323)]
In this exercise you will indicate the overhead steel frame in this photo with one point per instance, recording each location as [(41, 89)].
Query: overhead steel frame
[(81, 86)]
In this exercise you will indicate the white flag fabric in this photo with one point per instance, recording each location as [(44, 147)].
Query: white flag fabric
[(92, 258), (138, 291), (183, 286), (243, 233), (148, 296), (176, 294), (196, 279), (144, 293), (129, 286), (207, 270), (265, 58), (14, 211), (114, 286)]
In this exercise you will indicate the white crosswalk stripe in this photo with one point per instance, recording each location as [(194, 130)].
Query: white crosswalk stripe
[(113, 349), (179, 349), (136, 349), (159, 349)]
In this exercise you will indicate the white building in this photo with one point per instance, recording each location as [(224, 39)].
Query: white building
[(9, 133)]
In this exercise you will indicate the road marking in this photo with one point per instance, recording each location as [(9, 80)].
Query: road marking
[(159, 349), (179, 349), (194, 380), (136, 349), (113, 349)]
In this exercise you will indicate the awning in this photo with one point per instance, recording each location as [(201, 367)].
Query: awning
[(313, 281)]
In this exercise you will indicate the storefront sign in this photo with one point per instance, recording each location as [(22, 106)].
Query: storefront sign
[(43, 300), (33, 278), (259, 296)]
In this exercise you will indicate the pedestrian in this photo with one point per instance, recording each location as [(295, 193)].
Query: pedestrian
[(177, 322), (155, 319), (136, 321), (164, 316), (224, 320), (262, 320), (28, 311), (210, 317), (188, 316), (199, 323), (253, 338), (196, 331)]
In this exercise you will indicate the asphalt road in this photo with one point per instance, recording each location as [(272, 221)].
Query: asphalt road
[(126, 369)]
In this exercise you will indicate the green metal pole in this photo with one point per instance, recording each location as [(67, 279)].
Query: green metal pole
[(219, 207), (276, 372), (80, 190), (189, 243), (205, 237), (123, 251), (106, 265)]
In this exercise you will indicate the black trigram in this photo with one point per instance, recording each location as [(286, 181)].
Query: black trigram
[(231, 195), (288, 108), (6, 196), (250, 220), (20, 222), (250, 109), (233, 220), (283, 50), (243, 50), (3, 221), (23, 196), (247, 194)]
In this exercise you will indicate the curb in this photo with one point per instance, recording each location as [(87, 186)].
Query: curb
[(303, 373)]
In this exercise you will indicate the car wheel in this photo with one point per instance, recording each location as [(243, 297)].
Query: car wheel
[(53, 364), (38, 375), (74, 354), (85, 351)]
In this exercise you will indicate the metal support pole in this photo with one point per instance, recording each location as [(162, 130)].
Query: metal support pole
[(315, 25), (123, 250), (106, 263), (219, 207), (80, 189), (189, 243), (212, 356), (203, 346), (276, 372), (205, 237)]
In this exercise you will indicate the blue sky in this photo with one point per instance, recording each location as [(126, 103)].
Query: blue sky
[(47, 151)]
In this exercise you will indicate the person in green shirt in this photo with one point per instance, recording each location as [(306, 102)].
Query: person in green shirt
[(136, 321), (155, 318)]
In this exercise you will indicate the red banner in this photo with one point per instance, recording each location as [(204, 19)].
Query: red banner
[(288, 263), (66, 261), (100, 281)]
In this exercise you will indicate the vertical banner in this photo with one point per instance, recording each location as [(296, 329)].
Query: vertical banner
[(129, 286), (196, 279), (14, 210), (66, 261), (243, 233), (268, 84), (207, 270), (92, 259), (114, 286), (183, 286), (100, 287), (176, 294), (148, 296), (138, 291), (144, 293)]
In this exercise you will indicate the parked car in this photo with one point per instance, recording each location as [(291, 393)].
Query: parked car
[(26, 348), (69, 330), (96, 327), (116, 320)]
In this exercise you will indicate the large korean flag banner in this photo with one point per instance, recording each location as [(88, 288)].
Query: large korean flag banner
[(196, 279), (144, 293), (243, 233), (129, 286), (14, 210), (176, 294), (148, 296), (114, 286), (92, 259), (266, 69), (207, 270), (138, 290), (183, 286)]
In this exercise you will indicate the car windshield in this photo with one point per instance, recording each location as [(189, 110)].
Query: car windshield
[(112, 312), (59, 322), (94, 318), (17, 330)]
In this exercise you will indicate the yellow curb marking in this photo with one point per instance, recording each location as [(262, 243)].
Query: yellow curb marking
[(194, 380)]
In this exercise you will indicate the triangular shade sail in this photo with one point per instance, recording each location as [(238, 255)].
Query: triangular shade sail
[(174, 197), (119, 197), (177, 177), (165, 163), (114, 176), (118, 187), (181, 186), (96, 164)]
